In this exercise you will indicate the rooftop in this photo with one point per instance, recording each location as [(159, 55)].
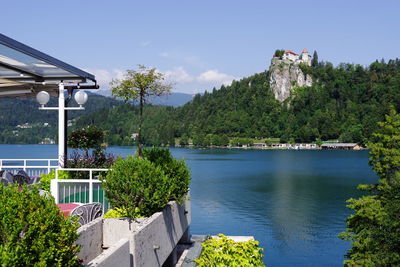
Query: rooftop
[(24, 71)]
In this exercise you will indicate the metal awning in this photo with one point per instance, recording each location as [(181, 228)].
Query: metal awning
[(25, 71)]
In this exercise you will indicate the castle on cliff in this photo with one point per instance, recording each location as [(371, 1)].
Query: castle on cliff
[(286, 74), (291, 57)]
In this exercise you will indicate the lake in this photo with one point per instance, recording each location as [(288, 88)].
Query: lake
[(292, 202)]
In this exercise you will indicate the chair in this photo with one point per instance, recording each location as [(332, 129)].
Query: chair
[(6, 177), (87, 212), (21, 178)]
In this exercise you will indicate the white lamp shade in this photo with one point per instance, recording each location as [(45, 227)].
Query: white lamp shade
[(43, 97), (81, 97)]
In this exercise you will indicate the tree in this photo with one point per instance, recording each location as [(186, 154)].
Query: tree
[(314, 61), (86, 138), (140, 84), (374, 228)]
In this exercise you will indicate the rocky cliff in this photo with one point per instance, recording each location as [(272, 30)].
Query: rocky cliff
[(285, 76)]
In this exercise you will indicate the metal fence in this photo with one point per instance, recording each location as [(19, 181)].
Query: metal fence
[(33, 167), (79, 190), (64, 190)]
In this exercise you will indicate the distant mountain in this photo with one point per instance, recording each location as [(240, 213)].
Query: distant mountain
[(174, 100), (21, 121)]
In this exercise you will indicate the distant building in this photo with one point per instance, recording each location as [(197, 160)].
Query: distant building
[(295, 58), (345, 146)]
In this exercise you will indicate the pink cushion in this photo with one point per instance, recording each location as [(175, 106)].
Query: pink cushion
[(66, 208)]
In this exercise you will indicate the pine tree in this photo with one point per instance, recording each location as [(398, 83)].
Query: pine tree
[(374, 228), (314, 61)]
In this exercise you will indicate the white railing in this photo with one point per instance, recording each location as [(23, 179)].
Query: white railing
[(33, 167), (79, 190)]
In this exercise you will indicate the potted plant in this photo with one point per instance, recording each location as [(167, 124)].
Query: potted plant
[(148, 194)]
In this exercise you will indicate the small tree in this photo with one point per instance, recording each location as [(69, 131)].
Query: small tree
[(314, 61), (86, 138), (374, 228), (140, 85)]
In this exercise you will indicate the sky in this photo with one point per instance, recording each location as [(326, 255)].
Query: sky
[(199, 45)]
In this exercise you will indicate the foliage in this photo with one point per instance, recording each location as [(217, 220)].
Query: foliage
[(32, 231), (184, 140), (226, 252), (374, 228), (279, 53), (86, 138), (46, 178), (141, 85), (137, 186), (176, 170), (385, 146), (314, 61), (344, 102), (25, 110), (115, 213), (96, 160)]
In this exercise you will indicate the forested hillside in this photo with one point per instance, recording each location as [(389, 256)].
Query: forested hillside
[(25, 113), (344, 103)]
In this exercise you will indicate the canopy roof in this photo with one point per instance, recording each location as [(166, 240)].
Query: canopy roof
[(25, 71)]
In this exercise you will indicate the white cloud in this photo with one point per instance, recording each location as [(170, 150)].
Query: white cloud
[(178, 75), (145, 43), (215, 77), (104, 77), (164, 54)]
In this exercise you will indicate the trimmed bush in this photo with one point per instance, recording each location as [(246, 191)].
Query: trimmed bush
[(32, 231), (115, 213), (46, 178), (176, 170), (137, 186), (226, 252)]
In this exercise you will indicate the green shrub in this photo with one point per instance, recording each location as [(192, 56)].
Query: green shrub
[(176, 170), (137, 186), (226, 252), (32, 231), (115, 213), (46, 178)]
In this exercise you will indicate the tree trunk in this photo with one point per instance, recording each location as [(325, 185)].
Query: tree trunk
[(139, 137)]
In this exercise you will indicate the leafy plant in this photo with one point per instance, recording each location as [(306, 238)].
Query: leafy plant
[(79, 161), (137, 186), (141, 85), (279, 53), (176, 170), (86, 138), (32, 231), (374, 228), (223, 251), (115, 213), (46, 178)]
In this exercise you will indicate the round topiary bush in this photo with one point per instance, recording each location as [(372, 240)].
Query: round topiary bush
[(32, 230), (137, 186), (176, 170)]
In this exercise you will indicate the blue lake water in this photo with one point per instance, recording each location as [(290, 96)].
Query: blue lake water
[(293, 202)]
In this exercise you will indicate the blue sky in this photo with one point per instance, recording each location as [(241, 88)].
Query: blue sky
[(201, 44)]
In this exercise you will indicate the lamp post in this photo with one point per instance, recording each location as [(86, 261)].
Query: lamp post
[(43, 98)]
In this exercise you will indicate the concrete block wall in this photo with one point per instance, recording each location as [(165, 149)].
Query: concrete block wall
[(90, 239), (116, 255), (152, 239)]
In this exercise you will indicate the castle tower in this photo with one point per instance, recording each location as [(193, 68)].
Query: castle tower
[(305, 57)]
